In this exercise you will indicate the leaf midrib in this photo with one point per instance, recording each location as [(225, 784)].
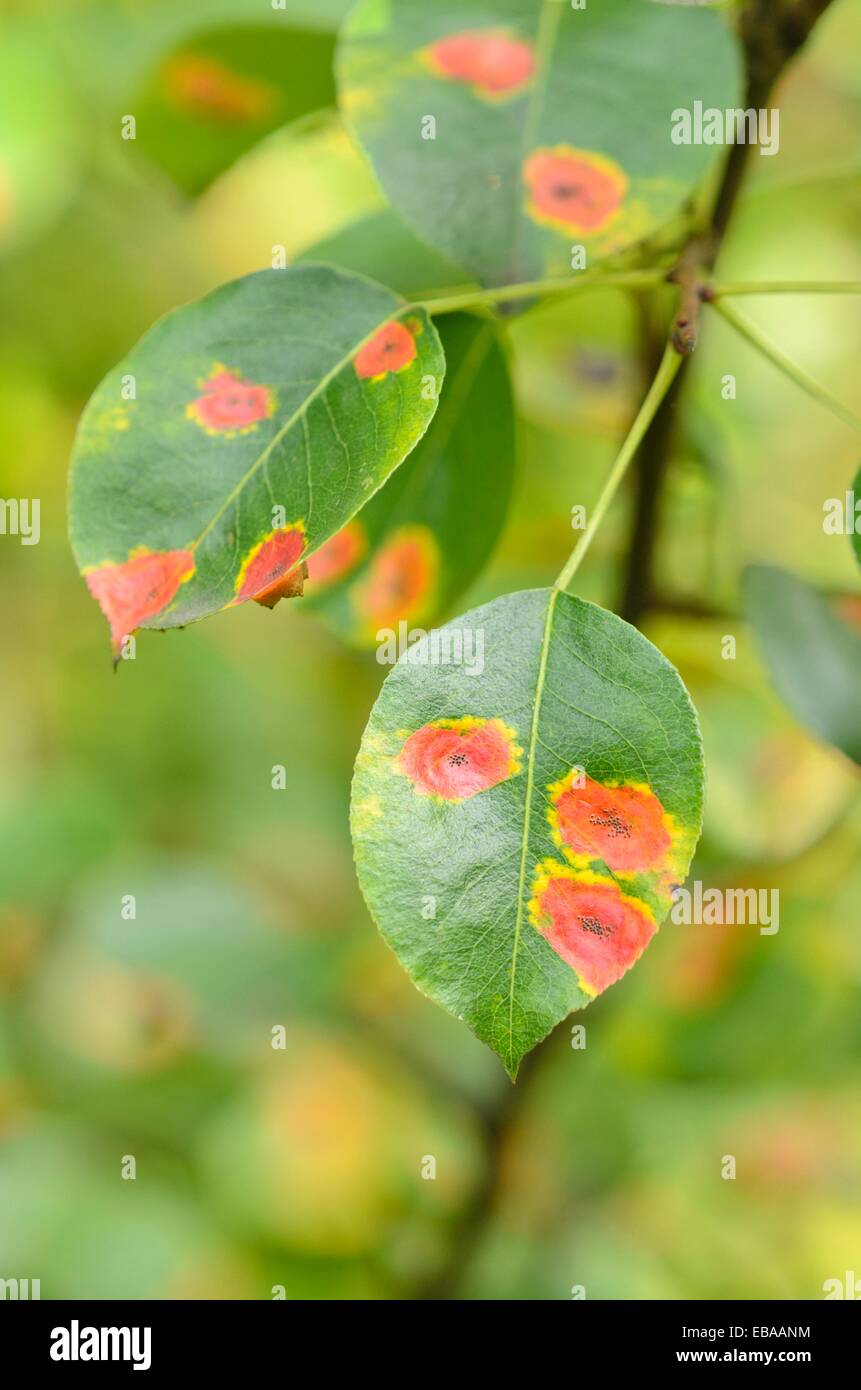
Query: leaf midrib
[(530, 779), (549, 19), (298, 414)]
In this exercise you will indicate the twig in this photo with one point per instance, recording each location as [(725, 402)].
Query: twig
[(772, 32), (689, 276)]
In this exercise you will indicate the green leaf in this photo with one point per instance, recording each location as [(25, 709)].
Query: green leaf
[(813, 654), (548, 785), (414, 548), (263, 417), (553, 125), (856, 513)]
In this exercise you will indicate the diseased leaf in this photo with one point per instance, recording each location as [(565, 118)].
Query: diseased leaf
[(241, 433), (812, 648), (507, 132), (519, 828)]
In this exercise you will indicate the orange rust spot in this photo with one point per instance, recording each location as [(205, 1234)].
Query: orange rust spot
[(491, 61), (204, 87), (269, 570), (454, 759), (401, 578), (848, 607), (392, 348), (139, 588), (597, 929), (229, 404), (338, 555), (625, 826), (573, 189)]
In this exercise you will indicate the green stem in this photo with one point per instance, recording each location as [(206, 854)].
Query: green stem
[(787, 287), (670, 363), (774, 355), (622, 279)]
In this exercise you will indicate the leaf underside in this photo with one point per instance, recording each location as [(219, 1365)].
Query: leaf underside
[(520, 819), (813, 653), (408, 555)]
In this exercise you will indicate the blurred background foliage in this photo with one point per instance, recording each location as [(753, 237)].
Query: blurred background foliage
[(301, 1167)]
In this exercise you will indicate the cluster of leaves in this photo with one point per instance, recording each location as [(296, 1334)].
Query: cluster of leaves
[(341, 427)]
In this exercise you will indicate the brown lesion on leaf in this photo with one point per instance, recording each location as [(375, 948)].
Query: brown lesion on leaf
[(291, 586)]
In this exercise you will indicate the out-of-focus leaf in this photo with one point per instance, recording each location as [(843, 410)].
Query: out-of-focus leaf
[(856, 531), (240, 434), (508, 132), (759, 759), (518, 829), (813, 655), (415, 547), (383, 248), (219, 93)]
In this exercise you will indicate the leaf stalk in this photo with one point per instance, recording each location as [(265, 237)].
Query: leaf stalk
[(669, 366), (773, 354), (536, 289)]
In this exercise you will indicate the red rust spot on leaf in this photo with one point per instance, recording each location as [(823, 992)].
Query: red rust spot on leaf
[(230, 404), (204, 87), (597, 929), (625, 826), (392, 348), (139, 588), (573, 189), (491, 61), (401, 579), (269, 570), (848, 607), (338, 555), (454, 759)]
